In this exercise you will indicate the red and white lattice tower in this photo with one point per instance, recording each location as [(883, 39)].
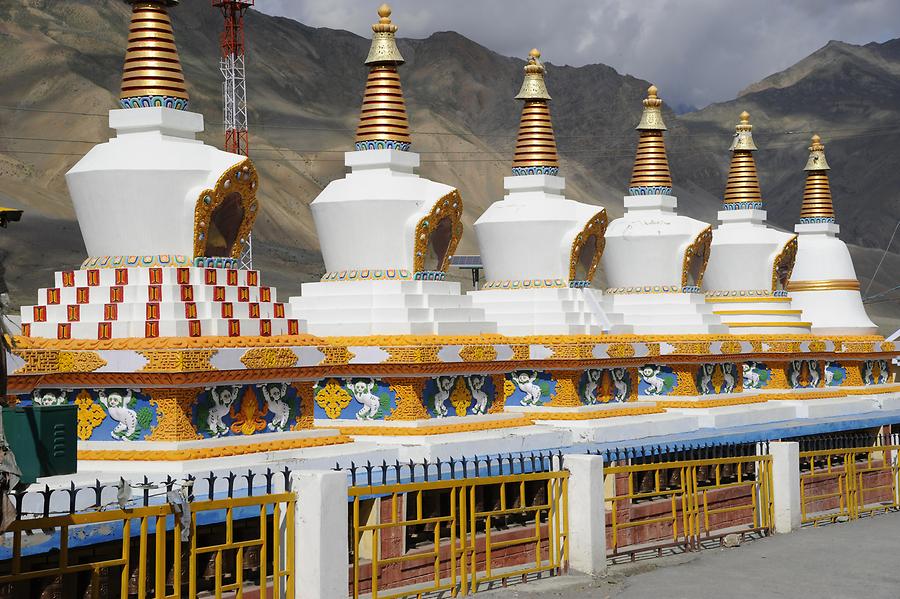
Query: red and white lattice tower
[(234, 90)]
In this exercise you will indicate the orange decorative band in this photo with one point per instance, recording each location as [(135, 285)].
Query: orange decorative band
[(526, 284), (200, 453), (596, 414), (824, 285), (441, 429), (748, 293)]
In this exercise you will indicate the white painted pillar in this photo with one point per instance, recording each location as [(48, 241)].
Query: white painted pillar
[(786, 485), (321, 550), (587, 514)]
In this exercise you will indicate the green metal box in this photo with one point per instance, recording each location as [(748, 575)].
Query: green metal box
[(43, 438)]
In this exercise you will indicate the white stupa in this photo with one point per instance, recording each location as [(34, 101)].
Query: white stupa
[(824, 283), (540, 250), (655, 258), (163, 217), (386, 233), (750, 263)]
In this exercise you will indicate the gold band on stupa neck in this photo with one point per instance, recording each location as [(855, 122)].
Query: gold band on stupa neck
[(383, 122), (152, 73), (742, 188), (817, 206), (535, 144), (650, 174)]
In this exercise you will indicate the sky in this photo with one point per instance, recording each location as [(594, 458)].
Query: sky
[(696, 51)]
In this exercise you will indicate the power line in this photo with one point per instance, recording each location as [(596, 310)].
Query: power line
[(877, 268), (471, 134)]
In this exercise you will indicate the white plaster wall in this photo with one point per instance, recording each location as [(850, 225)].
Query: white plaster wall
[(834, 312), (368, 218), (135, 194), (821, 255), (529, 234), (743, 253), (647, 245)]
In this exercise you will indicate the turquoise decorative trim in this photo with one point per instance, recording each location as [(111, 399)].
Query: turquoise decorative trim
[(215, 262), (152, 101), (383, 144), (649, 191), (647, 289), (743, 206), (579, 284), (430, 275), (745, 293), (535, 170), (526, 284), (368, 274), (816, 220)]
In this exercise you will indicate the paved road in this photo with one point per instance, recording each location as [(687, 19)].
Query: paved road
[(852, 560)]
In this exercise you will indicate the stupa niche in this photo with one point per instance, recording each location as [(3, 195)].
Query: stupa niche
[(386, 233), (750, 263), (162, 216), (655, 259), (540, 250), (824, 283)]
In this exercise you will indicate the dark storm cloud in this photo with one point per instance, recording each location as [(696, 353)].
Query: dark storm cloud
[(696, 51)]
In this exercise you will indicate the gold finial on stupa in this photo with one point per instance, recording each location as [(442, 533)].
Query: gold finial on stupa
[(152, 74), (742, 188), (650, 174), (383, 123), (817, 206), (535, 145), (533, 87)]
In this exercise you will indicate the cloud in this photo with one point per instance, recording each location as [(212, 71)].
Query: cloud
[(696, 51)]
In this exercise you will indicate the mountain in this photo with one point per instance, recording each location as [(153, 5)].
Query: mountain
[(305, 86)]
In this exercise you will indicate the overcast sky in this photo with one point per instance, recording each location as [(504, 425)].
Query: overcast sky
[(696, 51)]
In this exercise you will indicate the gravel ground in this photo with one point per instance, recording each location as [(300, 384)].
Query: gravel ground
[(859, 559)]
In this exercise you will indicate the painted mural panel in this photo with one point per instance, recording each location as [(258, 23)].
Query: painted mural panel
[(358, 398), (715, 379), (656, 380), (530, 388), (454, 395), (229, 410), (605, 385)]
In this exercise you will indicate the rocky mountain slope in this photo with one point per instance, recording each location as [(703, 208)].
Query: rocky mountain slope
[(63, 62)]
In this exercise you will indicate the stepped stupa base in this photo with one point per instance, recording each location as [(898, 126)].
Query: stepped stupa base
[(665, 313), (548, 311), (148, 302), (352, 308), (749, 314)]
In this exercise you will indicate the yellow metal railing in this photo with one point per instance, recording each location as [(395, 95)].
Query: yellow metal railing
[(848, 482), (691, 491), (465, 543), (159, 546)]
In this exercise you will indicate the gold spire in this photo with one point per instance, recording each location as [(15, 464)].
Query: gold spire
[(742, 188), (383, 122), (535, 146), (817, 206), (651, 166), (152, 74)]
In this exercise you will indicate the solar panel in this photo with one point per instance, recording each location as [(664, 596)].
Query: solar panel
[(466, 261)]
